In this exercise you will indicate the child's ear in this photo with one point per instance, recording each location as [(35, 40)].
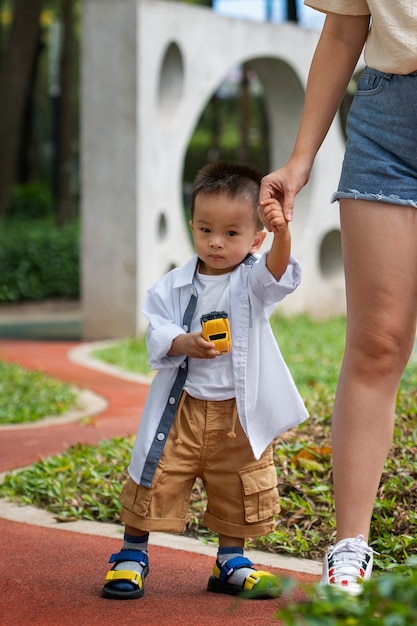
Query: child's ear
[(191, 225), (258, 241)]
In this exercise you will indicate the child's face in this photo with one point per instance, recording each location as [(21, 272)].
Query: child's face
[(224, 232)]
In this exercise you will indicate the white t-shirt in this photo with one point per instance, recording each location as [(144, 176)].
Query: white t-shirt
[(392, 41), (210, 379)]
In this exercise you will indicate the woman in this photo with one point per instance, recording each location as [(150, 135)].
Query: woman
[(377, 195)]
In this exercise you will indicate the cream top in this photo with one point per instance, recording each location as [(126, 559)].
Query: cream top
[(392, 41)]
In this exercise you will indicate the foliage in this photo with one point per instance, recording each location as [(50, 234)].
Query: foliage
[(38, 144), (225, 143), (31, 200), (84, 482), (129, 354), (388, 599), (305, 527), (38, 260), (27, 396), (207, 3)]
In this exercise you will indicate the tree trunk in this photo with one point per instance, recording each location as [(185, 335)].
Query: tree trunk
[(244, 148), (292, 14), (14, 79), (65, 200), (28, 167), (216, 131)]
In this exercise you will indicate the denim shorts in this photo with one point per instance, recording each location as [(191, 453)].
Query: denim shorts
[(380, 162)]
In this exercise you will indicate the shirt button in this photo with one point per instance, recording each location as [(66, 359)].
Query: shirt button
[(160, 436), (183, 364), (185, 327), (171, 400)]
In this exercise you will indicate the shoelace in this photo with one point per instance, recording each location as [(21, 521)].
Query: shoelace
[(352, 559)]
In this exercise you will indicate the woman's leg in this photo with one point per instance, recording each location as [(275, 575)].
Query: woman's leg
[(380, 258)]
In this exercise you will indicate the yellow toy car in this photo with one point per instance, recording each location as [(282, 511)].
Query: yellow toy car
[(216, 329)]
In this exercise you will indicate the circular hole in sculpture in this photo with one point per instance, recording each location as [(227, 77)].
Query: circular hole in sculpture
[(331, 261), (162, 226), (251, 117), (171, 81)]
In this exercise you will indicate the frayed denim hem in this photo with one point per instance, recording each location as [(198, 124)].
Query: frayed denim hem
[(354, 194)]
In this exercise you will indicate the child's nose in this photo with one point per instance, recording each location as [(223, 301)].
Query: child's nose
[(216, 241)]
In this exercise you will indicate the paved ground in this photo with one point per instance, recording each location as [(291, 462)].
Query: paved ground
[(51, 574)]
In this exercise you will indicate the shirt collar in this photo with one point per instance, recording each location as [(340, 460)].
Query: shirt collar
[(185, 274)]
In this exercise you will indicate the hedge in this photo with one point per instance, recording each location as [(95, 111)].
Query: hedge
[(38, 260)]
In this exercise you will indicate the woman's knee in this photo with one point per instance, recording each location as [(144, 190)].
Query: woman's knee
[(380, 353)]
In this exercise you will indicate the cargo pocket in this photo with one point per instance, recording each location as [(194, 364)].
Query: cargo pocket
[(136, 498), (260, 493)]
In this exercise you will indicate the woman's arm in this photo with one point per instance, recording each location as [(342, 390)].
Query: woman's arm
[(337, 53)]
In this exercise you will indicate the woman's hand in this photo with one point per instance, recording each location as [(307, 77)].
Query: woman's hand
[(283, 185)]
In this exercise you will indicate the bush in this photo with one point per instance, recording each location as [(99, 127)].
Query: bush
[(30, 200), (388, 599), (38, 260)]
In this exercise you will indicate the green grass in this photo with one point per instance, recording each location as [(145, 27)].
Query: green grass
[(85, 481), (28, 396), (129, 354)]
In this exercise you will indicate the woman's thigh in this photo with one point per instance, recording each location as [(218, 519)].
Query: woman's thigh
[(380, 258)]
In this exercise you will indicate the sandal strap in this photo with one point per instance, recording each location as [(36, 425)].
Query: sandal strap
[(228, 567), (262, 580), (130, 555), (125, 575)]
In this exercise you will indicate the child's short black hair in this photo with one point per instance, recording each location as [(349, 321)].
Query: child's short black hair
[(231, 179)]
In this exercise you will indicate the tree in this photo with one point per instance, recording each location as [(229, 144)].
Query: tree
[(28, 165), (207, 3), (64, 156), (15, 73), (244, 149), (292, 15)]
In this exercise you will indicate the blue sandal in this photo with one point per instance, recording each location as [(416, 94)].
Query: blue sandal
[(258, 584), (125, 584)]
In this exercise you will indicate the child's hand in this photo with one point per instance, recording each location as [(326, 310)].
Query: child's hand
[(271, 213), (193, 344)]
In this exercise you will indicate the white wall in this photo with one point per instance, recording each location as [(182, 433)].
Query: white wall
[(149, 69)]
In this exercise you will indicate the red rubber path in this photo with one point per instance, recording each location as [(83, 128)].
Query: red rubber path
[(52, 577)]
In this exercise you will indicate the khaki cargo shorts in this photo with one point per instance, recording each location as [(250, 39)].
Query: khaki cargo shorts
[(207, 441)]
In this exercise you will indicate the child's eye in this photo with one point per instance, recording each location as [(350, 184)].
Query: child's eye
[(231, 233), (204, 229)]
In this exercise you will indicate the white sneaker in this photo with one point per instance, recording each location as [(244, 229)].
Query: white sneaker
[(347, 564)]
